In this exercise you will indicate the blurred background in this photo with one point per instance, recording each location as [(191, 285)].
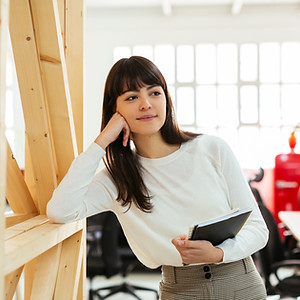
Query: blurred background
[(233, 70)]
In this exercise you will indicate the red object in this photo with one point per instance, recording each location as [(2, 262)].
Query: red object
[(292, 141), (287, 183)]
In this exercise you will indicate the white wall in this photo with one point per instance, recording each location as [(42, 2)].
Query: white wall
[(107, 28)]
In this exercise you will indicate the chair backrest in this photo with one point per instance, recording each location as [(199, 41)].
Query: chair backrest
[(103, 257), (274, 250)]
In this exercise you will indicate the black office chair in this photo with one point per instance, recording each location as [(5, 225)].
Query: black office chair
[(290, 244), (108, 254), (273, 258)]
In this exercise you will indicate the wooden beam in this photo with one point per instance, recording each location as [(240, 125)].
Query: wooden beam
[(4, 15), (50, 46), (28, 173), (25, 226), (45, 274), (62, 12), (11, 283), (29, 275), (81, 294), (21, 247), (33, 100), (72, 17), (17, 193), (69, 268), (74, 53), (13, 219)]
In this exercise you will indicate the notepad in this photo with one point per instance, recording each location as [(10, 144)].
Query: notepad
[(221, 228)]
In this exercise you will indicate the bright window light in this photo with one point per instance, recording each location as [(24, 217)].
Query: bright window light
[(290, 105), (185, 105), (121, 52), (206, 103), (227, 63), (143, 50), (227, 107), (248, 94), (9, 109), (248, 62), (269, 105), (249, 104), (269, 62), (206, 64), (164, 58), (185, 63), (290, 62)]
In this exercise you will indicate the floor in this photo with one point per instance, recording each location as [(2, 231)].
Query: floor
[(146, 280)]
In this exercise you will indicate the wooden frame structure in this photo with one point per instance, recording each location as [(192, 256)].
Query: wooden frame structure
[(47, 43)]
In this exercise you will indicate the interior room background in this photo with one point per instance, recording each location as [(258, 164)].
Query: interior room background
[(235, 74)]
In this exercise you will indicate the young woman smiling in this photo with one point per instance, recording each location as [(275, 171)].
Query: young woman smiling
[(159, 180)]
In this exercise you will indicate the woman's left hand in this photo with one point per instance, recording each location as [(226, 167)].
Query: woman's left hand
[(200, 251)]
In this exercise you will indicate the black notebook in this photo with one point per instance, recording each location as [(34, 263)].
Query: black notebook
[(219, 229)]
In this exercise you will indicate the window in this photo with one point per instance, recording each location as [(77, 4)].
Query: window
[(248, 94)]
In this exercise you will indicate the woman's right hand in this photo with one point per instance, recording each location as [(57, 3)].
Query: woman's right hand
[(110, 133)]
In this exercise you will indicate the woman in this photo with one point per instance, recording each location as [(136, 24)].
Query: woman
[(159, 180)]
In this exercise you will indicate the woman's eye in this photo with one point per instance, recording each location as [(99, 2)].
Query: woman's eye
[(156, 93), (131, 98)]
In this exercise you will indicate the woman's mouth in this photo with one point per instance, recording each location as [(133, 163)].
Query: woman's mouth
[(147, 117)]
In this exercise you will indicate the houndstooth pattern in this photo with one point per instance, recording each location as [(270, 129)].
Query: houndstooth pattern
[(231, 281)]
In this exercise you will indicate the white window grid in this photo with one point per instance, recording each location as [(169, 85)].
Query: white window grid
[(256, 132)]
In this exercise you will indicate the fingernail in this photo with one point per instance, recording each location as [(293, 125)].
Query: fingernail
[(181, 243)]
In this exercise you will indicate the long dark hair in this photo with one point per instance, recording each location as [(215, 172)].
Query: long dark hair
[(122, 162)]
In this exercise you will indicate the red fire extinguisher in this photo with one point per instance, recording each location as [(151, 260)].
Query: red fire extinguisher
[(287, 179)]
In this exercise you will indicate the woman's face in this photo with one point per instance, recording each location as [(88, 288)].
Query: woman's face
[(143, 109)]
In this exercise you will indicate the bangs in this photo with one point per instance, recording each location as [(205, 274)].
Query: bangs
[(134, 74)]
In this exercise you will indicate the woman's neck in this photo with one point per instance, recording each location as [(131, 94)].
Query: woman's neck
[(153, 146)]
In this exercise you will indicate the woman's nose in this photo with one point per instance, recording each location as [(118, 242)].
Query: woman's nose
[(145, 103)]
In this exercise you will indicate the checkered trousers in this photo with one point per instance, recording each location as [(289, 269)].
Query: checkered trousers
[(229, 281)]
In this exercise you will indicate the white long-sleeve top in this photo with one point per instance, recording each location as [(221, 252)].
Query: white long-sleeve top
[(200, 181)]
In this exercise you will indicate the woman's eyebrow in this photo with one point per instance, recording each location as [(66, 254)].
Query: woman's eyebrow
[(152, 86), (126, 91), (148, 88)]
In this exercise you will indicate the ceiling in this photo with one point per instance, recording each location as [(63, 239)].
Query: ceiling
[(166, 5)]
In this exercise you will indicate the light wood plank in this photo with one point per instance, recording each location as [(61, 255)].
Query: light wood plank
[(29, 274), (4, 15), (33, 100), (69, 268), (74, 52), (48, 34), (45, 274), (81, 295), (27, 245), (25, 226), (61, 12), (17, 193), (13, 219), (28, 173), (11, 283)]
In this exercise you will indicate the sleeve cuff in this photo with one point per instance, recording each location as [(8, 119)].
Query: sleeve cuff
[(95, 150)]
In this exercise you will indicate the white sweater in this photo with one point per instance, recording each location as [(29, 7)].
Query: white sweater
[(200, 181)]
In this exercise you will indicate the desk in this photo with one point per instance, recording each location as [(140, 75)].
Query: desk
[(292, 220)]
